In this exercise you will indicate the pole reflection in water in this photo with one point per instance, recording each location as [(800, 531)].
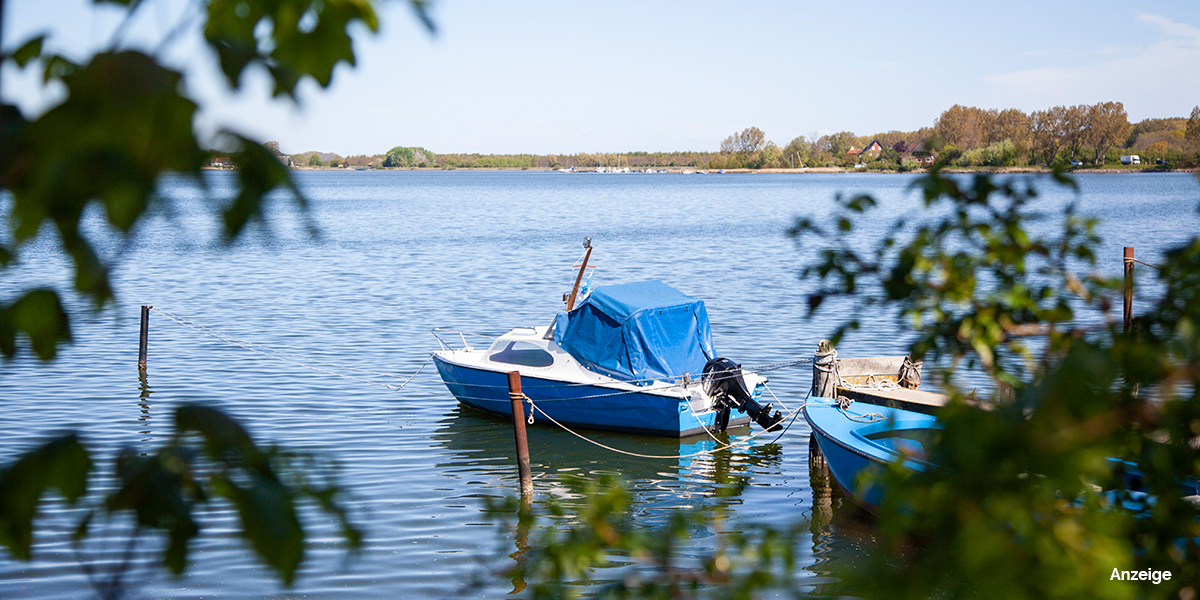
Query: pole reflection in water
[(521, 556), (841, 529), (144, 404), (821, 482)]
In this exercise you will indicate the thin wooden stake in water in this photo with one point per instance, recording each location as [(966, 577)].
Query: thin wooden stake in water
[(518, 414), (145, 335), (1128, 288)]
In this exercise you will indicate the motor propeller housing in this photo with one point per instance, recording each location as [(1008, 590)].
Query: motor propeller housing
[(723, 382)]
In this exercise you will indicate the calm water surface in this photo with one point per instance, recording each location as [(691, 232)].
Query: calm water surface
[(401, 253)]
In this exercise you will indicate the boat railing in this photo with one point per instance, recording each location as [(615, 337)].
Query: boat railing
[(438, 332)]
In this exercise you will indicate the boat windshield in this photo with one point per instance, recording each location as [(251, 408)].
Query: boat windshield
[(522, 353)]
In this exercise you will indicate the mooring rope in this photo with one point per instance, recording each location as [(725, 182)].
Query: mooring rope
[(778, 365), (295, 359), (1134, 260), (795, 414), (843, 405), (724, 446), (871, 384)]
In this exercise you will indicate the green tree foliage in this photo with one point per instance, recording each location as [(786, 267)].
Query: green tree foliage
[(401, 156), (298, 41), (742, 150), (745, 142), (965, 127), (1049, 133), (125, 119), (1025, 501), (1017, 127), (209, 457), (1075, 128), (1148, 127), (315, 161), (1027, 496), (996, 155), (838, 144), (491, 161), (1040, 135), (770, 155), (798, 152), (1164, 139), (1107, 124), (1192, 132), (559, 562)]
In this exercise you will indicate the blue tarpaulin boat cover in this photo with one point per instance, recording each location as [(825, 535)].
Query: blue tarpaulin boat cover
[(638, 332)]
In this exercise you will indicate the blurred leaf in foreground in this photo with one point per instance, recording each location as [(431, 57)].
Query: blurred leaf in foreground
[(210, 457)]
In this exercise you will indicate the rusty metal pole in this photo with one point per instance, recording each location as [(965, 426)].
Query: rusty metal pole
[(518, 414), (579, 278), (1128, 288), (144, 337)]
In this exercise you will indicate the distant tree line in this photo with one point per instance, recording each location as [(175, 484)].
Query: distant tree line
[(968, 136), (962, 136)]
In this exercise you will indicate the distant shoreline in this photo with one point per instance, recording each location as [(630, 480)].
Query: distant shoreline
[(801, 171)]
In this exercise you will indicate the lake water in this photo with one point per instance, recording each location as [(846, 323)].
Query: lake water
[(401, 253)]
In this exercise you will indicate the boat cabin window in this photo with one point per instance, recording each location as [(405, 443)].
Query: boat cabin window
[(522, 353)]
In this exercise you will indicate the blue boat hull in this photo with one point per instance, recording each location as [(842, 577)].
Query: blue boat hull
[(860, 441), (858, 452), (586, 406)]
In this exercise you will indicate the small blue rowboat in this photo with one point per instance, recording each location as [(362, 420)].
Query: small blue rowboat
[(860, 440)]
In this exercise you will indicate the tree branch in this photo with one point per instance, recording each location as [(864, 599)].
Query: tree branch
[(120, 30), (183, 25)]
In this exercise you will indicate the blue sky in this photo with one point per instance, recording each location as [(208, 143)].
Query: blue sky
[(566, 77)]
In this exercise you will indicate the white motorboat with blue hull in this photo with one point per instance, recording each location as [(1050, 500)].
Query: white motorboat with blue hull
[(589, 406), (631, 358)]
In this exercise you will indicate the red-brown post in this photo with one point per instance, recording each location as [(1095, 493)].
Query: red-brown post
[(144, 337), (518, 415), (1128, 288)]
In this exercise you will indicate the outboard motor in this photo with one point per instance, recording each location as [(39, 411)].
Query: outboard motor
[(723, 381)]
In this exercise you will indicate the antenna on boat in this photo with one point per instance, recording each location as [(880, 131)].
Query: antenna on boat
[(570, 300), (587, 243)]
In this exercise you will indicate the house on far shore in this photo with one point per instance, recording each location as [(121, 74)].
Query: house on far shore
[(220, 162), (919, 154), (873, 150)]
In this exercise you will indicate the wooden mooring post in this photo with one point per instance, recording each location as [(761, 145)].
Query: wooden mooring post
[(518, 416), (1128, 288), (145, 335)]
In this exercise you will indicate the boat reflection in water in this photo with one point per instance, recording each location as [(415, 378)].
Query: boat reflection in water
[(684, 473), (477, 448)]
